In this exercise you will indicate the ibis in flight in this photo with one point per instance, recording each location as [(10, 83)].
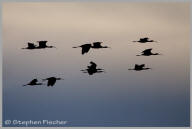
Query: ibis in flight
[(52, 80), (86, 47), (139, 67), (92, 69), (147, 52), (144, 40)]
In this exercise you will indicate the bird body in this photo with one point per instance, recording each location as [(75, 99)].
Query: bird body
[(52, 80), (139, 67)]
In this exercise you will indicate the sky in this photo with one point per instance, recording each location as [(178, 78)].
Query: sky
[(117, 97)]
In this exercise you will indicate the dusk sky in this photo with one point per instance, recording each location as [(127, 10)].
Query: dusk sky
[(117, 97)]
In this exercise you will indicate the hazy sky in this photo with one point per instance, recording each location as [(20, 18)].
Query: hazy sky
[(157, 97)]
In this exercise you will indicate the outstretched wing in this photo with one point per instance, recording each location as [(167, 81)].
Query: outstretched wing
[(31, 45), (42, 43), (147, 50), (51, 82), (33, 82), (136, 66), (142, 65), (97, 43), (85, 48), (146, 38)]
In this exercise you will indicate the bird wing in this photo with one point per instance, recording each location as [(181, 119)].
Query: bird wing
[(97, 43), (31, 45), (51, 81), (34, 81), (147, 50), (42, 43), (143, 65), (85, 48), (136, 66)]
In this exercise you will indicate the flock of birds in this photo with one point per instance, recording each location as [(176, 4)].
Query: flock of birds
[(85, 48)]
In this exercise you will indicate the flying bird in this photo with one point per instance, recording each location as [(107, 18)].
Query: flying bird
[(43, 44), (98, 45), (33, 83), (139, 67), (92, 69), (147, 52), (86, 47), (144, 40), (52, 80)]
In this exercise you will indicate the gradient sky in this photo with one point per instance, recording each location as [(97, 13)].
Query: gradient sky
[(157, 97)]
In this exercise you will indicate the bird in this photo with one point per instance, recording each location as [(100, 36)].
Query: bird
[(92, 69), (87, 47), (98, 45), (30, 46), (43, 44), (139, 67), (147, 52), (144, 40), (33, 83), (52, 80)]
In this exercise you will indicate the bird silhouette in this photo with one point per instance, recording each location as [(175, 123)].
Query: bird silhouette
[(97, 45), (139, 67), (92, 69), (147, 52), (144, 40), (87, 47), (52, 80), (33, 83), (42, 45)]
